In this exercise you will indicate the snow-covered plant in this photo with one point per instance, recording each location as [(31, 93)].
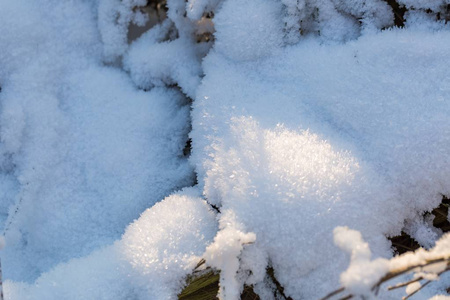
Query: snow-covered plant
[(364, 277), (335, 20)]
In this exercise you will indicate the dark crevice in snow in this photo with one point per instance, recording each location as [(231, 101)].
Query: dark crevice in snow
[(249, 294), (444, 15), (216, 208), (440, 213), (399, 12), (176, 86), (156, 11), (404, 242), (187, 148), (279, 289)]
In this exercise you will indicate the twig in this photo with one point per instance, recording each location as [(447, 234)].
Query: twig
[(338, 291), (425, 284), (396, 273), (200, 263), (400, 285), (421, 287)]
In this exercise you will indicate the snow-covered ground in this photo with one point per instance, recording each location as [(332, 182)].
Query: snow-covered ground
[(340, 134)]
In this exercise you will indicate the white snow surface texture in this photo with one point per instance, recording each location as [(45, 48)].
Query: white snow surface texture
[(292, 137), (320, 136), (84, 152)]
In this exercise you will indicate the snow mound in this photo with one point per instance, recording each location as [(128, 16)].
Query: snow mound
[(307, 117), (319, 136), (151, 260)]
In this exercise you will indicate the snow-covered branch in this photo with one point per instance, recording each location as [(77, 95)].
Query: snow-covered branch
[(365, 277)]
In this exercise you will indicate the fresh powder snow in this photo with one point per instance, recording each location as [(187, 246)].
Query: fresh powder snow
[(317, 130)]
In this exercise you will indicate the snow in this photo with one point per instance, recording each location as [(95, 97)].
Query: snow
[(412, 287), (423, 4), (362, 274), (223, 255), (310, 125), (150, 261), (334, 20), (87, 151), (165, 63), (243, 36), (196, 8), (319, 136), (114, 18), (440, 297), (423, 232)]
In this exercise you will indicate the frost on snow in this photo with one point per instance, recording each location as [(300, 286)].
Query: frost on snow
[(306, 117)]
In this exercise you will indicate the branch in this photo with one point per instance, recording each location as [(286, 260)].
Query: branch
[(395, 273)]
